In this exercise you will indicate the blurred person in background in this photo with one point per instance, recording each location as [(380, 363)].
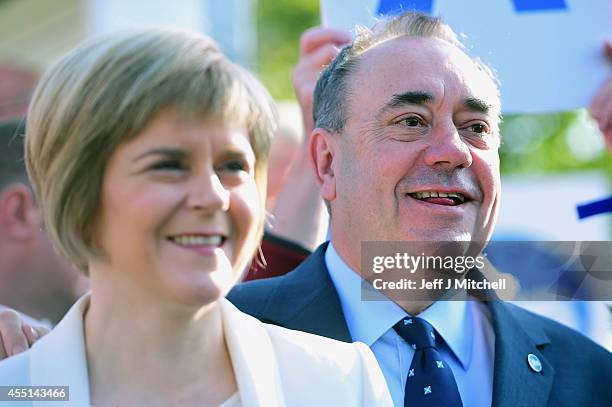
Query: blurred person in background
[(299, 208), (16, 87), (151, 176), (283, 150), (33, 278), (298, 220), (601, 107)]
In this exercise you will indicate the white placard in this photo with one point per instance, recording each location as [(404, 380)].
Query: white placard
[(548, 54)]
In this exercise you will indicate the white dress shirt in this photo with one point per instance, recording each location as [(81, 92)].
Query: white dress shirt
[(465, 327)]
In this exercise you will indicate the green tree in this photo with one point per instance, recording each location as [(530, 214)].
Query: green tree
[(280, 24)]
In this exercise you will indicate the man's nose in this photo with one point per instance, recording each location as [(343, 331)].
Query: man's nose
[(447, 148), (207, 193)]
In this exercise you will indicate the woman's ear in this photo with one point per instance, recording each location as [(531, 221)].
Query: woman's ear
[(322, 153)]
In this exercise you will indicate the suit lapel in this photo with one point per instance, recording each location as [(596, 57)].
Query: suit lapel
[(514, 381), (59, 359), (253, 360), (306, 300)]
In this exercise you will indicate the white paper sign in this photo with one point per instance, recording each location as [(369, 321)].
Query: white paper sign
[(548, 54)]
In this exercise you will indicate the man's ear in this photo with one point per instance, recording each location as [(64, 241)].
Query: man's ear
[(323, 146), (19, 215)]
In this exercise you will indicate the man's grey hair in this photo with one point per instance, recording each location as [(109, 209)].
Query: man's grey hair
[(332, 90)]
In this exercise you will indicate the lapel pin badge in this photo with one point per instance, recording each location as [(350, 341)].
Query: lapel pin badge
[(534, 363)]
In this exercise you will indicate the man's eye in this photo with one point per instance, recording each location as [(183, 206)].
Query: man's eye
[(411, 121), (479, 128), (171, 165)]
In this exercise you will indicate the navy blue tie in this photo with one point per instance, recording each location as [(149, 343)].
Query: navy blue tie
[(430, 380)]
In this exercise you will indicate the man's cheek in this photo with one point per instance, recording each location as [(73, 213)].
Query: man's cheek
[(486, 166)]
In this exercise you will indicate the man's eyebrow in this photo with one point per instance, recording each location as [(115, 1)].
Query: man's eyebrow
[(410, 98), (416, 97), (477, 105), (166, 152)]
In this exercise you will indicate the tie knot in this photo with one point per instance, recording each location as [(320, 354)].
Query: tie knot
[(417, 332)]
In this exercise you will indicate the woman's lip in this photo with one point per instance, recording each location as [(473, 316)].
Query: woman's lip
[(196, 240), (206, 247), (207, 250), (199, 233)]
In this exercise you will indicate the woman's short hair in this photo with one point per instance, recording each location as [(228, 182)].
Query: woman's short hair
[(103, 93)]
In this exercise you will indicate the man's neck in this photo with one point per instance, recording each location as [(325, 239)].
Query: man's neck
[(411, 307)]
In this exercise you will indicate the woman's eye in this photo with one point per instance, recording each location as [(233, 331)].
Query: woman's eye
[(411, 121), (233, 166), (172, 165)]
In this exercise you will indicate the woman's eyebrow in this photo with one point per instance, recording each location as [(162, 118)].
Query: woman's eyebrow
[(167, 152)]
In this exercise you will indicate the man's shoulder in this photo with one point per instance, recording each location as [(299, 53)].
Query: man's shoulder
[(563, 342), (252, 297)]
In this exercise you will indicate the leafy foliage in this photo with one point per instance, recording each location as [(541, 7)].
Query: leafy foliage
[(557, 142), (280, 24)]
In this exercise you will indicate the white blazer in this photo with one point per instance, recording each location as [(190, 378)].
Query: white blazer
[(274, 366)]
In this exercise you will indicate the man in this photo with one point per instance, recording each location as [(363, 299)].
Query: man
[(406, 149), (33, 279)]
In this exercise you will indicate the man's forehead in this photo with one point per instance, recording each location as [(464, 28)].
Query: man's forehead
[(419, 64)]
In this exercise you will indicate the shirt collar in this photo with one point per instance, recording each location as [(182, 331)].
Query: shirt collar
[(367, 321)]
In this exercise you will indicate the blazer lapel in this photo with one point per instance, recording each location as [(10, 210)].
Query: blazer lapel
[(59, 358), (515, 383), (253, 359), (306, 300)]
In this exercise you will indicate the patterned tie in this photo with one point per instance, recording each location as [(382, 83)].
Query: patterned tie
[(430, 381)]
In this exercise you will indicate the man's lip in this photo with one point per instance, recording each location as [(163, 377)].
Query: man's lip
[(466, 194), (436, 206)]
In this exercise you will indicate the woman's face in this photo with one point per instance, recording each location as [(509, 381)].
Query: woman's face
[(179, 205)]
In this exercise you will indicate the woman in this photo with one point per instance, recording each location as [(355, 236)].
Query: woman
[(147, 152)]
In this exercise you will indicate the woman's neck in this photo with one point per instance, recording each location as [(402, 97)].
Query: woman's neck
[(146, 351)]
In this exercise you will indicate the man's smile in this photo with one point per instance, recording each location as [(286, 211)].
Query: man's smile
[(439, 198)]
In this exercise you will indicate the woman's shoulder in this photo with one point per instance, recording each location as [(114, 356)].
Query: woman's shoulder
[(15, 371), (312, 370), (314, 345), (299, 344), (338, 373)]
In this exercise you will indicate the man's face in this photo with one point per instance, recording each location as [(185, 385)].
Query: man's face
[(418, 157)]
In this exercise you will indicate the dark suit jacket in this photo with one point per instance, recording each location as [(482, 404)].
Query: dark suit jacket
[(575, 371)]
